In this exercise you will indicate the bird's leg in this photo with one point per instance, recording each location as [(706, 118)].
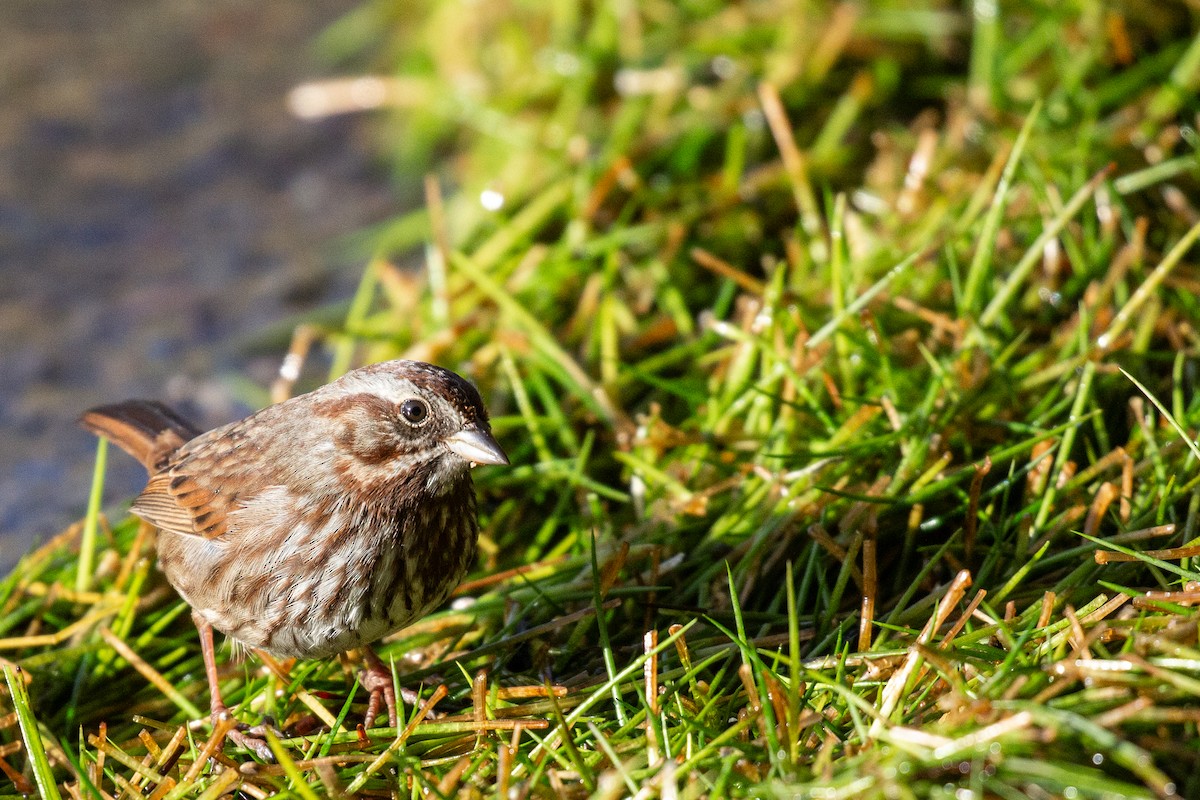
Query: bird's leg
[(239, 736)]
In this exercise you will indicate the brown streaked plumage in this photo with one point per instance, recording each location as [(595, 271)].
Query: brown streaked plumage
[(319, 524)]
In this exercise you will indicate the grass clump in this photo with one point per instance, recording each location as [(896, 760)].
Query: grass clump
[(845, 356)]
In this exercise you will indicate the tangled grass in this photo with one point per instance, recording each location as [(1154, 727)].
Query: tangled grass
[(846, 358)]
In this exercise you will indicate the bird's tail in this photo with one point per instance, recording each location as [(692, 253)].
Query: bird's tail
[(147, 430)]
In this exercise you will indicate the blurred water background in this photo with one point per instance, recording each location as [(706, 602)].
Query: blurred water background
[(159, 209)]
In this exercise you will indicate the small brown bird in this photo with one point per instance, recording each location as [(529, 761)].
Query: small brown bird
[(318, 524)]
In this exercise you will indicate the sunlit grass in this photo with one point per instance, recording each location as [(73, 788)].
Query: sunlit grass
[(809, 331)]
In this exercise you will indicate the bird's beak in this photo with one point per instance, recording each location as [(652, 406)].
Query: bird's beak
[(476, 446)]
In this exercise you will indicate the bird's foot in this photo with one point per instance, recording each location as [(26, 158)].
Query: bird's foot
[(252, 738), (377, 679)]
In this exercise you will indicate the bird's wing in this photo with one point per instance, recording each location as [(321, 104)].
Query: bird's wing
[(179, 502)]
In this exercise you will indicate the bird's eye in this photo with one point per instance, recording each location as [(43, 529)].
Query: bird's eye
[(414, 411)]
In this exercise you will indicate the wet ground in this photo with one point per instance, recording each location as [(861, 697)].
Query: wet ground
[(158, 208)]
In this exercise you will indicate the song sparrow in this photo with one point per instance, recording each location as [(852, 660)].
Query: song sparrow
[(319, 524)]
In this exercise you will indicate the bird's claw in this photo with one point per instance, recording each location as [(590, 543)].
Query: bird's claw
[(255, 744), (377, 679), (252, 738)]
